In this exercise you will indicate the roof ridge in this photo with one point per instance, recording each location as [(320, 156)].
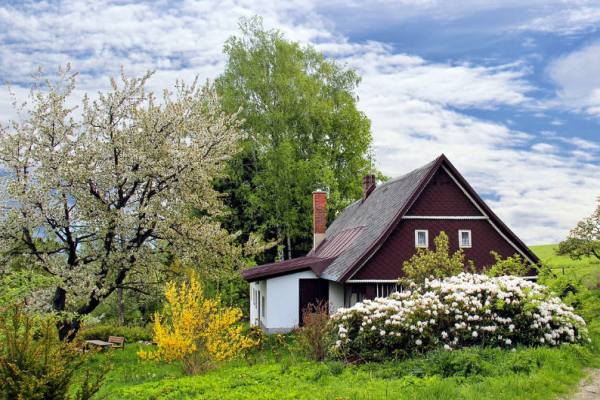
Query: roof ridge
[(430, 169)]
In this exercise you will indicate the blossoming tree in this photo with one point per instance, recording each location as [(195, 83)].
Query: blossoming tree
[(100, 196)]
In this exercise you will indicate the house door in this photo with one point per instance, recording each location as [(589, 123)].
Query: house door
[(312, 291)]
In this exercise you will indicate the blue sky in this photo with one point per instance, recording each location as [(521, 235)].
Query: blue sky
[(509, 91)]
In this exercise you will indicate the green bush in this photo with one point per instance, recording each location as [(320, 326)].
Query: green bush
[(574, 293), (131, 334), (435, 263), (514, 265), (35, 364)]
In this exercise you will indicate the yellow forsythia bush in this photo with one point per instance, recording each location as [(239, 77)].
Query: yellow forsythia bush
[(196, 330)]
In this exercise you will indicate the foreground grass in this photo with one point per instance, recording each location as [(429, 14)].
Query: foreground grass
[(278, 372), (528, 373), (586, 269)]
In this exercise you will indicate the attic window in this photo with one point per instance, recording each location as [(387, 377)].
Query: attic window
[(421, 238), (464, 239)]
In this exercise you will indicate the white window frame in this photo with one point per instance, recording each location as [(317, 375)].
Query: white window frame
[(385, 289), (417, 231), (460, 243)]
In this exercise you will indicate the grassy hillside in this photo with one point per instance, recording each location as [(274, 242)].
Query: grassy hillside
[(587, 269)]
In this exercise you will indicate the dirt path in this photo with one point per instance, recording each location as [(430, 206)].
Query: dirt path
[(589, 388)]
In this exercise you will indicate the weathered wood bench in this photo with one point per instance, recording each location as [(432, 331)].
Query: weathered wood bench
[(97, 343), (117, 342)]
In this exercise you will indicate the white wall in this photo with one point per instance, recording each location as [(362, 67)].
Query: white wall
[(261, 287), (336, 296), (253, 305), (283, 301)]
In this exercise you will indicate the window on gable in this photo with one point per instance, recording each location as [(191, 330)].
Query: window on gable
[(421, 238), (464, 239)]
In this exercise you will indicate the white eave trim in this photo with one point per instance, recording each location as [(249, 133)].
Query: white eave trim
[(445, 217), (488, 219), (372, 281)]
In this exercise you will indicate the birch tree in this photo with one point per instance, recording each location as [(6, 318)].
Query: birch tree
[(105, 190), (305, 131)]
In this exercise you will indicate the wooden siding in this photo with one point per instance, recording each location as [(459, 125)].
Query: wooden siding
[(443, 197), (400, 246)]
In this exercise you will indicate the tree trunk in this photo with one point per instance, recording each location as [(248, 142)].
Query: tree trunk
[(67, 329), (289, 246), (120, 306), (280, 249)]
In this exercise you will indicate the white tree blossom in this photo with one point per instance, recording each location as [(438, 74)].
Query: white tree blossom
[(104, 190)]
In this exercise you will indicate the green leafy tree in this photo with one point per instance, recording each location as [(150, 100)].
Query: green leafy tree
[(584, 239), (304, 131), (513, 265), (436, 263)]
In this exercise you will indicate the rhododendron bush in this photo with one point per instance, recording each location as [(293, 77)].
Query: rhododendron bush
[(459, 311)]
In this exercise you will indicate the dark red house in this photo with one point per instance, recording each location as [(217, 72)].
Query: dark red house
[(360, 255)]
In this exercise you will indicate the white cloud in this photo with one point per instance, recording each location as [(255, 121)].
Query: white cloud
[(558, 17), (179, 39), (418, 109), (577, 76), (545, 148), (414, 109), (568, 21), (583, 144)]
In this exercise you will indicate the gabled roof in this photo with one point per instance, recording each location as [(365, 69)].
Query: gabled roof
[(362, 228), (376, 213)]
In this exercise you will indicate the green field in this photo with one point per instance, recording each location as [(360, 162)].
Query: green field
[(279, 372), (588, 269)]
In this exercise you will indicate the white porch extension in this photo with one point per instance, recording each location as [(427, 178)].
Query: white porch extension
[(275, 302)]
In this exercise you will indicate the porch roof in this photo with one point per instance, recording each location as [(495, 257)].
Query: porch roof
[(316, 264)]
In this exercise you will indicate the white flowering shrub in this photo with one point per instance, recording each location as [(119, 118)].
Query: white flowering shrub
[(454, 312)]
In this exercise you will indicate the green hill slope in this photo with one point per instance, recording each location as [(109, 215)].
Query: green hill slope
[(587, 269)]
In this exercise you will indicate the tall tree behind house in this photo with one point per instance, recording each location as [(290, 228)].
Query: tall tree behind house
[(304, 132)]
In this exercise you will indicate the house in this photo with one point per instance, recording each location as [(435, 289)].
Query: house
[(360, 255)]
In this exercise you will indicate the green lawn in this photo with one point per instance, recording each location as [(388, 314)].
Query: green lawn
[(278, 372)]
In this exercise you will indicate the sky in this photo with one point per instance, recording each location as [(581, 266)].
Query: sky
[(509, 91)]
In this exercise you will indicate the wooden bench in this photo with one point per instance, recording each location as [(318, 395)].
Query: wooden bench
[(101, 344), (117, 342)]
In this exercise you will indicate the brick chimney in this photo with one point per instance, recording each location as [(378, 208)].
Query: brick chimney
[(319, 216), (368, 184)]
